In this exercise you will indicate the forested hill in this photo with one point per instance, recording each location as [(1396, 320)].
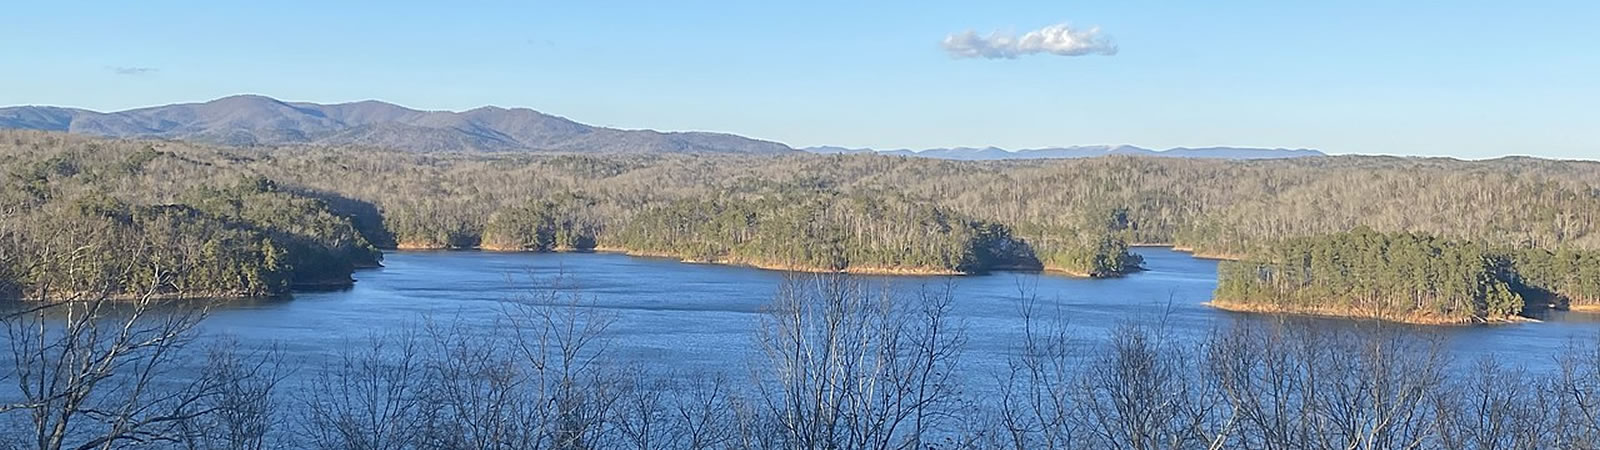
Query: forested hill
[(257, 120), (799, 211)]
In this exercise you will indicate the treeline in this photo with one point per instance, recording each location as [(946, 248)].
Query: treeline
[(1076, 216), (1406, 277), (792, 230), (320, 246), (1566, 277), (322, 226), (84, 247), (892, 373), (77, 217), (1214, 207), (563, 223), (878, 232)]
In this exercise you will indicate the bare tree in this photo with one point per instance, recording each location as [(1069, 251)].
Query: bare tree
[(675, 411), (1494, 408), (245, 412), (1576, 387), (1263, 382), (371, 398), (1036, 407), (475, 392), (93, 371), (1369, 391), (642, 414), (1294, 384), (560, 341), (849, 369), (703, 410), (1143, 392)]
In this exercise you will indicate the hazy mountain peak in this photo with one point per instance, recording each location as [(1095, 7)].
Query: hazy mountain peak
[(245, 98), (369, 103)]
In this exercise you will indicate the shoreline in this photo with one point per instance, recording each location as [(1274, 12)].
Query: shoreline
[(1337, 313), (853, 270), (162, 297), (327, 285), (416, 246), (1208, 255), (289, 291), (1073, 273)]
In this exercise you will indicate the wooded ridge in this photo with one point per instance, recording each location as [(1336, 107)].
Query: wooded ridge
[(262, 219)]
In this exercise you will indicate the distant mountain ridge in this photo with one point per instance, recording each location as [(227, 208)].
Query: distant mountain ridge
[(245, 120), (1079, 151), (249, 120)]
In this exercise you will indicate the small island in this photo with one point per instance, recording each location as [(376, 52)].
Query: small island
[(802, 232), (1407, 277)]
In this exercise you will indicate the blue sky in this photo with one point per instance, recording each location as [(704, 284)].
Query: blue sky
[(1462, 78)]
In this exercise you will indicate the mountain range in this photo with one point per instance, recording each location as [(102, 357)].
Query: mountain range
[(254, 120), (247, 120), (1079, 151)]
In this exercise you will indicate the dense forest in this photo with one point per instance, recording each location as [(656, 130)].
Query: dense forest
[(314, 212), (1565, 277), (814, 231), (81, 222), (1396, 276), (1407, 277), (864, 233)]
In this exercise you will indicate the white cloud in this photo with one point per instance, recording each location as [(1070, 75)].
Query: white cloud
[(131, 71), (1059, 39)]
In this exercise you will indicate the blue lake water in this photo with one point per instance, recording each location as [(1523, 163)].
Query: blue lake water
[(697, 318)]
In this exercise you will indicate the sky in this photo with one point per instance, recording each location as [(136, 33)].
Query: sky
[(1467, 79)]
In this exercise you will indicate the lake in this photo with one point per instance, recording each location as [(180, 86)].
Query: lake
[(689, 322), (697, 318)]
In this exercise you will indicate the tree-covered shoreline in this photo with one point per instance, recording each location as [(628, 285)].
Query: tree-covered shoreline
[(317, 213), (1407, 277)]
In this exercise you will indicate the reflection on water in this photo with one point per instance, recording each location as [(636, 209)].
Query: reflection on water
[(696, 317), (1568, 316)]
